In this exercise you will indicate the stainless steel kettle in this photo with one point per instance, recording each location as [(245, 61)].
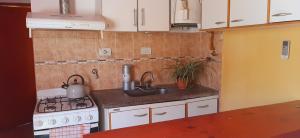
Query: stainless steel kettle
[(75, 90)]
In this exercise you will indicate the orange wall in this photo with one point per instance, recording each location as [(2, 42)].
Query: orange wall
[(253, 72)]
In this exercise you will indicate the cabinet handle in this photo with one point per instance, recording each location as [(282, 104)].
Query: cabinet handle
[(281, 14), (163, 113), (143, 16), (68, 27), (218, 23), (135, 17), (204, 106), (237, 20), (142, 115)]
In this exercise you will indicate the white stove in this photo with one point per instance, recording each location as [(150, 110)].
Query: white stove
[(53, 110)]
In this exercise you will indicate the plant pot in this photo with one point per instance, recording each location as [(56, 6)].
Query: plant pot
[(181, 84)]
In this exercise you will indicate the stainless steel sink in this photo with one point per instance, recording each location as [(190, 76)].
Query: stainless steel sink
[(143, 91)]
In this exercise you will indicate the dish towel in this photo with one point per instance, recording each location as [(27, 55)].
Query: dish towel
[(76, 131)]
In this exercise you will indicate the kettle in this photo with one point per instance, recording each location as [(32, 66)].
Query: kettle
[(75, 90)]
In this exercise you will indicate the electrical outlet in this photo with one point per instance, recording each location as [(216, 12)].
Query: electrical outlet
[(146, 51), (105, 51)]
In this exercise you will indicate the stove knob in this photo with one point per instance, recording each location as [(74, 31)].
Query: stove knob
[(89, 117), (39, 123), (78, 118), (52, 122), (65, 120)]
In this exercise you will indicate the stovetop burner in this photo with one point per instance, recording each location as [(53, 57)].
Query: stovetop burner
[(81, 105), (59, 104), (50, 109)]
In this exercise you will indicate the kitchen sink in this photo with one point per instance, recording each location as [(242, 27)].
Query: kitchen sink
[(143, 91)]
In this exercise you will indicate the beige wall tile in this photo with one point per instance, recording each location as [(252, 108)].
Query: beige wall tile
[(140, 40), (45, 49), (48, 76), (57, 45), (124, 45), (107, 76), (108, 41), (173, 42), (85, 49), (157, 42), (40, 33)]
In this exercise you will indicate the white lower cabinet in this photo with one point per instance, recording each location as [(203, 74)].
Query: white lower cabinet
[(167, 113), (202, 107), (114, 118), (129, 118)]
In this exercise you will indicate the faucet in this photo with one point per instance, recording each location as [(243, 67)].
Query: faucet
[(148, 83)]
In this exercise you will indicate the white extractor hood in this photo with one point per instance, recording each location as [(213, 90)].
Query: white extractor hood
[(57, 21)]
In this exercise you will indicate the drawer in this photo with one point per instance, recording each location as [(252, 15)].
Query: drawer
[(202, 107), (129, 118), (168, 113)]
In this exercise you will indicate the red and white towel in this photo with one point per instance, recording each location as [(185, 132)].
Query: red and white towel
[(76, 131)]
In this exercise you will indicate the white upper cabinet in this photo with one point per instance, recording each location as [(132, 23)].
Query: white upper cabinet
[(154, 15), (137, 15), (80, 7), (284, 10), (248, 12), (121, 15), (214, 13)]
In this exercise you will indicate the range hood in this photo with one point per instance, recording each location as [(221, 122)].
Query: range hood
[(59, 21)]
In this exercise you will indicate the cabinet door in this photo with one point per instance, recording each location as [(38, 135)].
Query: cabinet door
[(168, 113), (121, 15), (248, 12), (154, 15), (284, 10), (214, 13), (202, 107), (129, 118)]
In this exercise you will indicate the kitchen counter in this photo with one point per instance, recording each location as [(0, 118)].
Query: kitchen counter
[(278, 121), (117, 98)]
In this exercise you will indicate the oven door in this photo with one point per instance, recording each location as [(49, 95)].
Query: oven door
[(46, 133)]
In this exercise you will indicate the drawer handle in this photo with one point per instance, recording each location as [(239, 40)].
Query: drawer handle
[(204, 106), (218, 23), (68, 27), (142, 115), (237, 20), (163, 113), (281, 14)]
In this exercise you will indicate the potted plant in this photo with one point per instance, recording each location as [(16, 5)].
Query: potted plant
[(186, 73)]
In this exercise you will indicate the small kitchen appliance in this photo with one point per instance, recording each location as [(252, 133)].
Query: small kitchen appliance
[(75, 90), (127, 77), (54, 110)]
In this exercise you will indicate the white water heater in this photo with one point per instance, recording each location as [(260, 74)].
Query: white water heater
[(186, 13)]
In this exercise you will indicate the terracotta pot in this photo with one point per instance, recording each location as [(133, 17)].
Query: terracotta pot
[(181, 84)]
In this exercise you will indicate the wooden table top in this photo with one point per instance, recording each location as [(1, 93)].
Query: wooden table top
[(278, 120)]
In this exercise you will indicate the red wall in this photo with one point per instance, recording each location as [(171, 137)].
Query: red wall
[(17, 83)]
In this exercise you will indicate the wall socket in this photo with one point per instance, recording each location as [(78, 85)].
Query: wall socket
[(146, 51), (105, 51)]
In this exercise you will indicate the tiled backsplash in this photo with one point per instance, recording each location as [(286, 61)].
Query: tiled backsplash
[(59, 54)]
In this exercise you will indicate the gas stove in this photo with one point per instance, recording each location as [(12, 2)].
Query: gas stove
[(58, 104), (54, 110)]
